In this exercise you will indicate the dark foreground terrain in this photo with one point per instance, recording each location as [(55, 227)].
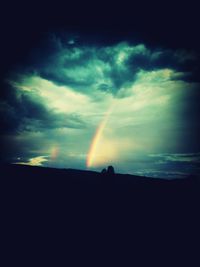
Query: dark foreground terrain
[(83, 218)]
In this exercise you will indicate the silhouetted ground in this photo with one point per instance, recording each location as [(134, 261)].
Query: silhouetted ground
[(98, 219)]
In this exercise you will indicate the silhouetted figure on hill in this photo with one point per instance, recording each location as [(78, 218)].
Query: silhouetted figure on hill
[(110, 170), (104, 171)]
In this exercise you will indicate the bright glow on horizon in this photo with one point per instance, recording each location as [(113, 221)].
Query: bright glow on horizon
[(37, 161)]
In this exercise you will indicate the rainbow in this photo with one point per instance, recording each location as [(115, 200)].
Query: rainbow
[(94, 145), (54, 152)]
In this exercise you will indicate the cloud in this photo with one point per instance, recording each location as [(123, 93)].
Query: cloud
[(178, 157), (108, 67), (38, 105)]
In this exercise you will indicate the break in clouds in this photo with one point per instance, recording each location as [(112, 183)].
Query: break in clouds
[(147, 98)]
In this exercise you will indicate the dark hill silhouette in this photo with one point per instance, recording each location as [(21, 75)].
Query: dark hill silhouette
[(89, 214)]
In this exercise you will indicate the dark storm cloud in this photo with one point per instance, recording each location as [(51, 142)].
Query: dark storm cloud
[(68, 61), (23, 113)]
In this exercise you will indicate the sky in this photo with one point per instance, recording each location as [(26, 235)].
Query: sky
[(85, 98)]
